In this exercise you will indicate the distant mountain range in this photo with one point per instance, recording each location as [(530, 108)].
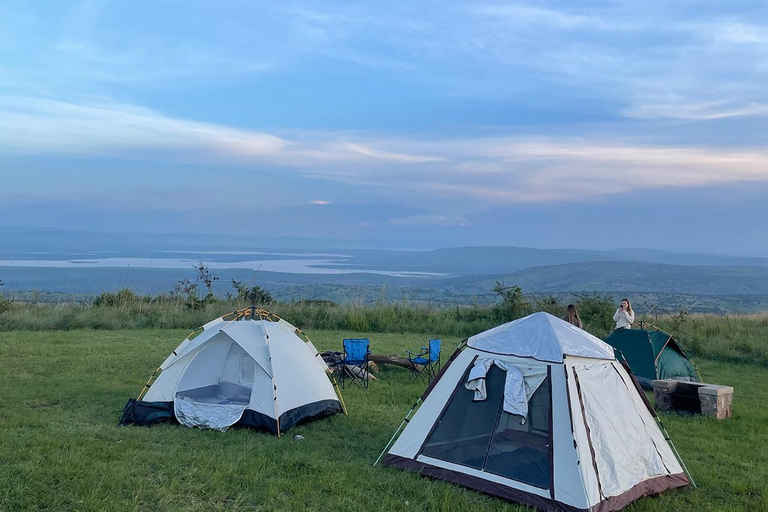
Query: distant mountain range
[(497, 260), (645, 277), (463, 275)]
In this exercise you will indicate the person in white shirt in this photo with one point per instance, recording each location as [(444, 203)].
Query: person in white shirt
[(624, 315)]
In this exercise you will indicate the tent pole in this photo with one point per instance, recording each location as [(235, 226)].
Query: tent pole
[(146, 386), (677, 454), (405, 420), (695, 368)]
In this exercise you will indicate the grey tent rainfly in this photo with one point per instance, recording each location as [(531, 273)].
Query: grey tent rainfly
[(248, 368), (540, 412)]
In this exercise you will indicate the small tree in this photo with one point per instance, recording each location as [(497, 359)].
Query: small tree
[(513, 303), (679, 318), (204, 274), (252, 295), (5, 305), (549, 304), (185, 290), (596, 311)]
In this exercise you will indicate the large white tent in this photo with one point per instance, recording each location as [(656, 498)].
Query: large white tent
[(540, 412), (248, 369)]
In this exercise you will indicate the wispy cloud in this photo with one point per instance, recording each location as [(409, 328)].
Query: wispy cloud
[(366, 151), (705, 111), (623, 52), (532, 17), (740, 32), (495, 169), (431, 219), (32, 125)]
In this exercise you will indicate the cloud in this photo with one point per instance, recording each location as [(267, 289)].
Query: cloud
[(320, 202), (38, 126), (706, 111), (361, 149), (504, 192), (32, 125), (620, 52), (431, 219), (531, 170), (739, 32), (528, 18), (510, 169)]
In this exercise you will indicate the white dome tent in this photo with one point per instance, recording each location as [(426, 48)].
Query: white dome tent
[(248, 368), (539, 412)]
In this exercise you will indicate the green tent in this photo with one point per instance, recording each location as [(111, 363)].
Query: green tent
[(652, 354)]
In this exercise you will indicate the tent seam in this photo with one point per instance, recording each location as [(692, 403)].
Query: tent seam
[(589, 436)]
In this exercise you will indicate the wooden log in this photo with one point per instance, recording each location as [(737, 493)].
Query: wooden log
[(375, 359), (392, 359)]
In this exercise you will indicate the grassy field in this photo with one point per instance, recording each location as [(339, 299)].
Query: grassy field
[(62, 393), (731, 338)]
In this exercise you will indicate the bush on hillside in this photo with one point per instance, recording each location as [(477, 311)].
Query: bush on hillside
[(596, 312), (253, 295), (513, 304), (122, 298), (549, 304), (5, 305)]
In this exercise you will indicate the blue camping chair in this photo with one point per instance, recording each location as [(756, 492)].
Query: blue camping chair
[(354, 365), (426, 363)]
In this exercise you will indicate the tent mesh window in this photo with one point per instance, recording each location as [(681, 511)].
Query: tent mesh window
[(482, 436), (520, 451)]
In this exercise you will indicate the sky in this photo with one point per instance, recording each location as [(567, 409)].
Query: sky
[(595, 125)]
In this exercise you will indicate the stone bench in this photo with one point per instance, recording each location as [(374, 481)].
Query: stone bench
[(696, 397)]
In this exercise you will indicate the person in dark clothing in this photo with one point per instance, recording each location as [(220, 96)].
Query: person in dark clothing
[(572, 316)]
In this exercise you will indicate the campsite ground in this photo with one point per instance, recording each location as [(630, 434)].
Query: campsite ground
[(62, 394)]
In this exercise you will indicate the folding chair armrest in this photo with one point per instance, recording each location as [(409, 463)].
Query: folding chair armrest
[(412, 356)]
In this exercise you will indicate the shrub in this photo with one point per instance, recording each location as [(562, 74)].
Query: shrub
[(596, 312), (5, 305), (253, 295), (549, 304), (123, 298), (513, 305)]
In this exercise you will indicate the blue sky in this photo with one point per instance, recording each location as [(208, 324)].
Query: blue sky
[(549, 124)]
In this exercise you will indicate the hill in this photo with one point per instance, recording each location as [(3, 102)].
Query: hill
[(638, 277)]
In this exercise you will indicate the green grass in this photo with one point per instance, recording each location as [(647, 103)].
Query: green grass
[(62, 393), (736, 338), (126, 310)]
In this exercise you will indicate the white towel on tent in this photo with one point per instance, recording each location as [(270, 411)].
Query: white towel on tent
[(476, 380), (520, 384)]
